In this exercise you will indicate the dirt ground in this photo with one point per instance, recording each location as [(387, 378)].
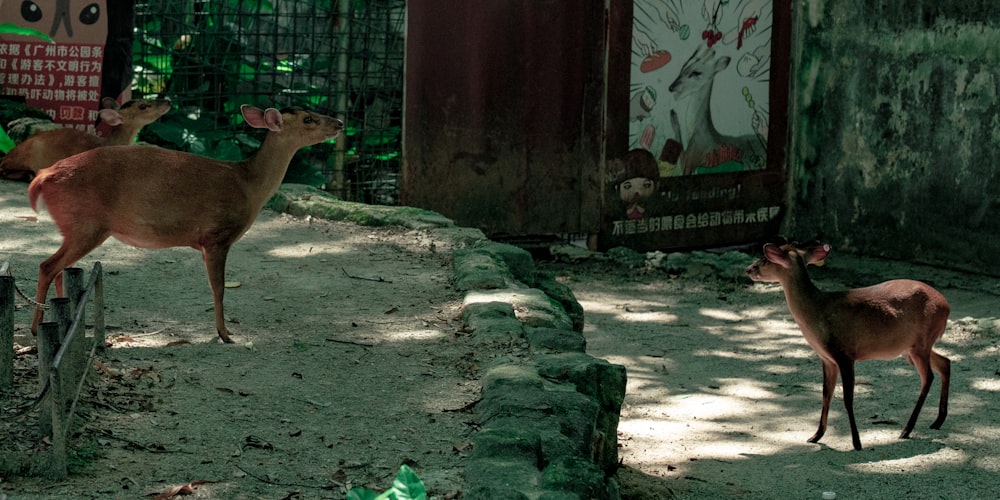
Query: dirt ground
[(723, 390), (351, 361)]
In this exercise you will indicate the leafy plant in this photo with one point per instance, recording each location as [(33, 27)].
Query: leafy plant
[(6, 143), (211, 57), (187, 131), (407, 486)]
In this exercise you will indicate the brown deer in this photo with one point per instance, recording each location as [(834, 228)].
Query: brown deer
[(877, 322), (47, 147), (151, 197)]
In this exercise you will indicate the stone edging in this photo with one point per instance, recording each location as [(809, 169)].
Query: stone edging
[(548, 424)]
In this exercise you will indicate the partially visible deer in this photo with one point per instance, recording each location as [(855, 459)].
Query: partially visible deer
[(877, 322), (704, 144), (45, 148), (151, 197)]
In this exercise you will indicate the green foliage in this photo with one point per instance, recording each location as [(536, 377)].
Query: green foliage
[(6, 143), (212, 57), (407, 486), (208, 57), (195, 134)]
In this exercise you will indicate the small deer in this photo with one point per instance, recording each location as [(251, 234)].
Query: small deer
[(705, 145), (45, 148), (151, 197), (876, 322)]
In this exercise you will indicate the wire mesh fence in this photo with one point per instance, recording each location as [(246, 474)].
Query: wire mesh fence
[(337, 57)]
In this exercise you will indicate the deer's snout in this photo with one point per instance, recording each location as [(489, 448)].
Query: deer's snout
[(753, 270)]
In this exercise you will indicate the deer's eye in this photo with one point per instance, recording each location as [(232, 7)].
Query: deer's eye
[(309, 119)]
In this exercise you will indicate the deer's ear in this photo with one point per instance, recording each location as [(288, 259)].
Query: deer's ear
[(272, 117), (259, 118), (110, 103), (254, 116), (817, 254), (775, 254), (111, 117)]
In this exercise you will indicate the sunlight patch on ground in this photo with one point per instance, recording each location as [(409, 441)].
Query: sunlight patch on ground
[(914, 464), (407, 335), (780, 369), (647, 316), (756, 355), (711, 407), (721, 314), (744, 388), (990, 463), (598, 306), (298, 250), (986, 384), (634, 312), (704, 426)]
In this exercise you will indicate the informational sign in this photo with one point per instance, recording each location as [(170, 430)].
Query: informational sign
[(707, 111), (63, 78)]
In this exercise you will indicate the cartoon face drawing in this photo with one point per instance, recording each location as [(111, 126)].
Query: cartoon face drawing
[(636, 188), (637, 181), (65, 21)]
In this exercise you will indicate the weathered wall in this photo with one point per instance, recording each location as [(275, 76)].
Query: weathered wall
[(895, 128)]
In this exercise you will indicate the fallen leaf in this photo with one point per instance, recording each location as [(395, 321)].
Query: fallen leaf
[(186, 489), (339, 476), (233, 284), (107, 371), (178, 342), (256, 442), (145, 372), (392, 310)]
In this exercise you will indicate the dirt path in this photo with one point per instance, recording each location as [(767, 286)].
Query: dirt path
[(350, 362), (723, 390)]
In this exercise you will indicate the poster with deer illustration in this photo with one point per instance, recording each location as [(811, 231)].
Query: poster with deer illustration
[(706, 126)]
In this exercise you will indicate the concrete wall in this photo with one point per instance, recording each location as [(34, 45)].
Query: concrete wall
[(895, 129)]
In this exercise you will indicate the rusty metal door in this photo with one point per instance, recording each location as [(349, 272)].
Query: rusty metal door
[(504, 113)]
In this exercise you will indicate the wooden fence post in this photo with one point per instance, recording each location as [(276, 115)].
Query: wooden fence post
[(73, 280), (72, 368), (6, 333), (99, 329), (49, 342), (60, 307), (52, 415)]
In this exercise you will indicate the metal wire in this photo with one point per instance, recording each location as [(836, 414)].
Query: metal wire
[(342, 57)]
